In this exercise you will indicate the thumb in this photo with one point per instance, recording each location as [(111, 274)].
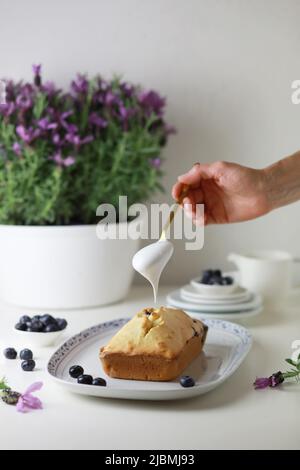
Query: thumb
[(194, 175)]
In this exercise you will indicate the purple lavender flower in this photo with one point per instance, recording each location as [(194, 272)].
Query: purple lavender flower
[(273, 381), (7, 109), (80, 85), (27, 135), (152, 102), (27, 402), (17, 149), (69, 161), (49, 88), (24, 101), (156, 162), (127, 89), (45, 125), (57, 140), (63, 162), (126, 113), (37, 69), (111, 99), (97, 120), (262, 382), (77, 140)]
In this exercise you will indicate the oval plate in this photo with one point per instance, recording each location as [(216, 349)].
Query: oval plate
[(226, 347)]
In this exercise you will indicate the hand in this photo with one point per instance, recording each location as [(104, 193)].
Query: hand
[(230, 193)]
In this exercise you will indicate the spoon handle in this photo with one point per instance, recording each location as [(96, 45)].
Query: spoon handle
[(173, 212)]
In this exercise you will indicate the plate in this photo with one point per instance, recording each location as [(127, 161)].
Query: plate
[(226, 347), (235, 316), (175, 299), (189, 293)]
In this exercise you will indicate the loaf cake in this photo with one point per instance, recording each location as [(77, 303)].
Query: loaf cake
[(156, 344)]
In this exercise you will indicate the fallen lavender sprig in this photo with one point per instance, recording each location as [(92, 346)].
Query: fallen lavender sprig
[(279, 377), (24, 402)]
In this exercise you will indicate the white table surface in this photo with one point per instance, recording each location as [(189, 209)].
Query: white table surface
[(233, 416)]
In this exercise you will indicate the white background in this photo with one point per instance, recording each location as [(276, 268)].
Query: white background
[(226, 67)]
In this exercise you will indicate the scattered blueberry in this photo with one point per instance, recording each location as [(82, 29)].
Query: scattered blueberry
[(99, 382), (51, 328), (26, 355), (28, 366), (76, 371), (85, 380), (10, 353), (21, 326), (186, 381), (61, 323)]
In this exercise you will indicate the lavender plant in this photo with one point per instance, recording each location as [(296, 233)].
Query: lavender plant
[(64, 153)]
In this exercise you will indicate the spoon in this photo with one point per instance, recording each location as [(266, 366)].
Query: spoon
[(151, 260)]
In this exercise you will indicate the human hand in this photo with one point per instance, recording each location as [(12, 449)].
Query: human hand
[(229, 192)]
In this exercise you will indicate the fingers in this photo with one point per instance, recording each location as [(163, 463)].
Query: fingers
[(193, 176), (177, 190)]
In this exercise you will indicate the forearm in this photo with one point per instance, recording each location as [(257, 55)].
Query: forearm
[(283, 181)]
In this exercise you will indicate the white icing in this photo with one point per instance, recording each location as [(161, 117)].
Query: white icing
[(151, 261)]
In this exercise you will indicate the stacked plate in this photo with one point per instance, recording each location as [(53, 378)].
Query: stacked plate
[(235, 305)]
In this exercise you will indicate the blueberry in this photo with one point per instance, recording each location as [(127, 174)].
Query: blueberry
[(98, 382), (215, 280), (227, 281), (36, 318), (25, 319), (206, 276), (217, 273), (26, 355), (51, 328), (28, 366), (85, 380), (10, 353), (47, 320), (21, 327), (36, 326), (186, 381), (61, 323), (76, 371)]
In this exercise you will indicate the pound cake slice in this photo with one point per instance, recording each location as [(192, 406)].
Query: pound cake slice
[(157, 344)]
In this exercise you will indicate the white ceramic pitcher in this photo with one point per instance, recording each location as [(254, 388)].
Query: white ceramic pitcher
[(266, 272)]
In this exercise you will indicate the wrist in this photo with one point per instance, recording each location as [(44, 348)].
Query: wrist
[(270, 177), (282, 182)]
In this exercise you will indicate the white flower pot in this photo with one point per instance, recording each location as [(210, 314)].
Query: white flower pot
[(63, 267)]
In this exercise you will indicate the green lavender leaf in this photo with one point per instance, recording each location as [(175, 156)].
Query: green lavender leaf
[(3, 384), (291, 362), (290, 374)]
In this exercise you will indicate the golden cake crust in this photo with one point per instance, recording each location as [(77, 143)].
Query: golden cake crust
[(156, 344)]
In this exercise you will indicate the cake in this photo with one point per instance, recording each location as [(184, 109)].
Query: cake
[(156, 344)]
